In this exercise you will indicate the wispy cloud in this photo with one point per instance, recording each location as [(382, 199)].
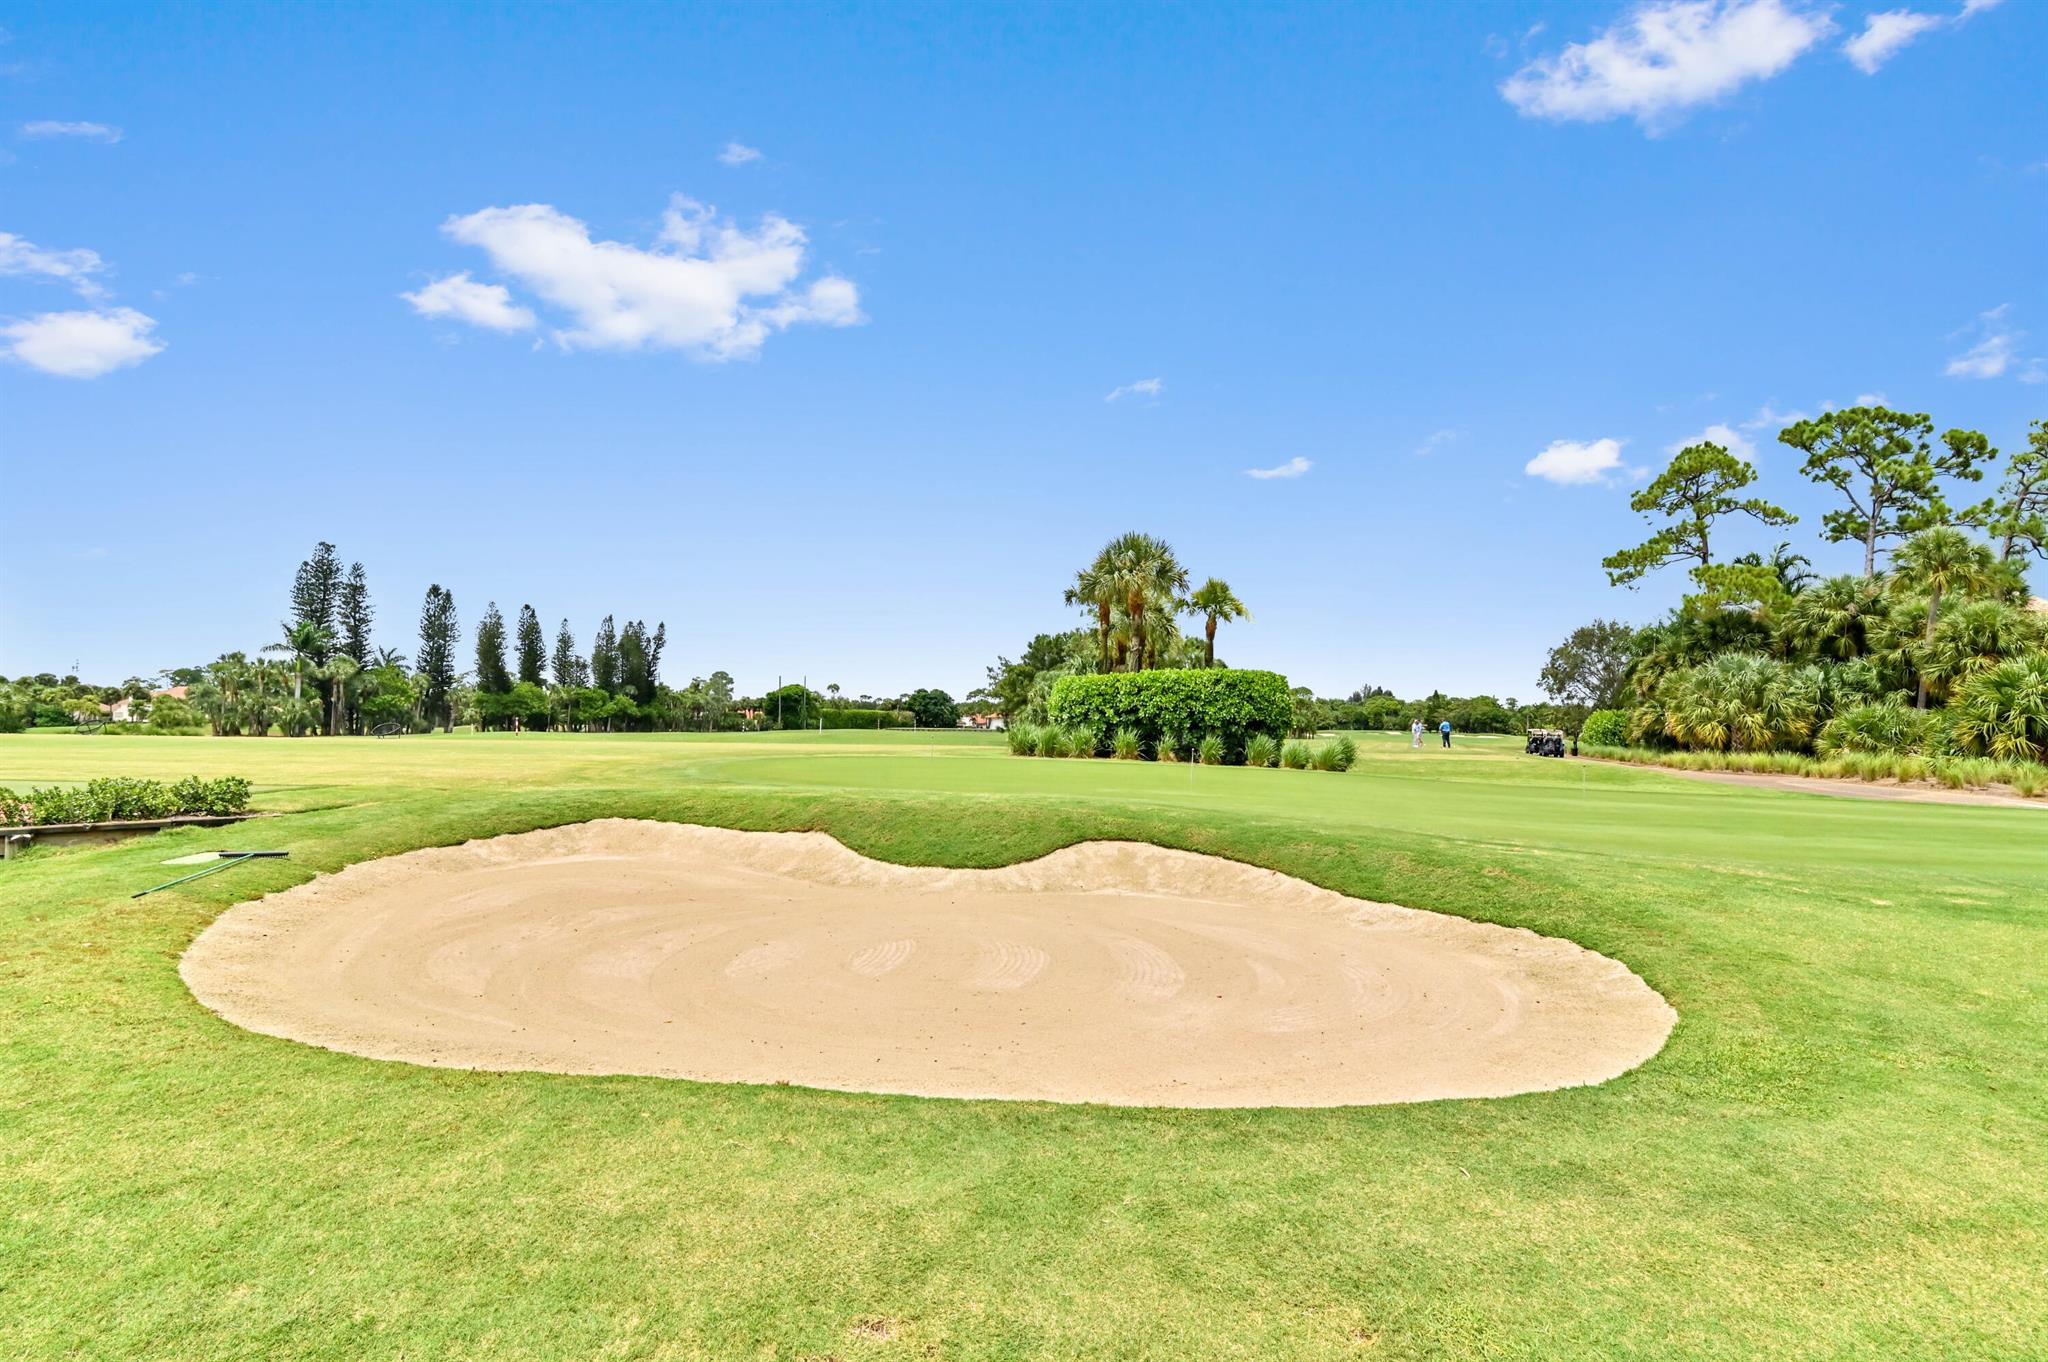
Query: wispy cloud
[(739, 154), (1575, 463), (1293, 468), (77, 267), (706, 286), (92, 132), (1885, 35), (1664, 58), (81, 344), (1996, 350), (1144, 387), (1436, 440)]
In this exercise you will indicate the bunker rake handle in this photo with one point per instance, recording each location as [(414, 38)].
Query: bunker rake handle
[(228, 858)]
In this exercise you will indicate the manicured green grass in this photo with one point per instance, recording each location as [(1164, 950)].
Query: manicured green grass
[(1838, 1155)]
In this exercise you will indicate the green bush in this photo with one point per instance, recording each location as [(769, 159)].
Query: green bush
[(863, 718), (1262, 750), (1076, 741), (1169, 747), (1295, 756), (1051, 741), (1209, 751), (1023, 739), (1126, 745), (121, 799), (1887, 725), (1343, 753), (1605, 728), (1232, 705), (2002, 711)]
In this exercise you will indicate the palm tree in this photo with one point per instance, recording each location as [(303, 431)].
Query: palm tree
[(1150, 581), (1939, 561), (1975, 637), (1215, 602), (387, 657), (340, 673), (1833, 620), (1095, 588), (306, 643)]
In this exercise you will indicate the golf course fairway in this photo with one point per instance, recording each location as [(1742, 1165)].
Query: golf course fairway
[(1837, 1153)]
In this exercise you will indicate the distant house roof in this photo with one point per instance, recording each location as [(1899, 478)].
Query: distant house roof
[(2038, 605), (175, 692)]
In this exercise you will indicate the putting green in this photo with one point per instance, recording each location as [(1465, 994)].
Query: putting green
[(1835, 1155)]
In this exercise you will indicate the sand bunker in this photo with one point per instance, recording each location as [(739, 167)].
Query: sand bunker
[(1110, 972)]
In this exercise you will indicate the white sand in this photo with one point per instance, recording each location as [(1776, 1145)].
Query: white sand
[(1109, 972)]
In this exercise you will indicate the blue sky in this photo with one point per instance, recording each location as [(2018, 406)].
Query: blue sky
[(797, 328)]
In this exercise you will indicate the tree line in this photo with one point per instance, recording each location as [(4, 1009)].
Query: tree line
[(1934, 648)]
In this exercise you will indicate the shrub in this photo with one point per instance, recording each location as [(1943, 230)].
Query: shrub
[(1125, 744), (1052, 741), (865, 718), (1169, 747), (1262, 750), (1742, 702), (1023, 739), (1077, 742), (1233, 705), (112, 800), (1344, 753), (2002, 710), (1887, 725), (1323, 757), (1605, 728), (1295, 756), (1210, 750)]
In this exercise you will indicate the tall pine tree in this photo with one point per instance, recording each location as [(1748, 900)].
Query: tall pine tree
[(533, 647), (568, 668), (316, 589), (353, 615), (438, 635), (492, 677), (604, 658)]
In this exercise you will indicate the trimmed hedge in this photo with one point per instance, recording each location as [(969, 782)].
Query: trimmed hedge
[(865, 718), (1181, 706), (120, 799)]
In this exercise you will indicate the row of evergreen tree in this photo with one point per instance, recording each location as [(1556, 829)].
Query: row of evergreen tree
[(329, 634)]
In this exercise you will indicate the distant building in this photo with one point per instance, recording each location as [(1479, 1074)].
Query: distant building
[(991, 722)]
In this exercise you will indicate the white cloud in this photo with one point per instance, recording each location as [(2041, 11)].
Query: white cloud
[(1726, 436), (1870, 400), (74, 267), (49, 127), (739, 154), (706, 286), (1144, 387), (1293, 468), (81, 344), (462, 298), (1971, 7), (1996, 350), (1665, 57), (1576, 462), (1436, 440), (1885, 35)]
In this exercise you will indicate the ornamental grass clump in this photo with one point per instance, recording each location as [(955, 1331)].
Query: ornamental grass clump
[(1209, 751), (1023, 738), (1262, 750), (1125, 745), (1295, 756)]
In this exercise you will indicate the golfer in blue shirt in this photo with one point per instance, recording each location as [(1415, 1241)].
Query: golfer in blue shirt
[(1445, 729)]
